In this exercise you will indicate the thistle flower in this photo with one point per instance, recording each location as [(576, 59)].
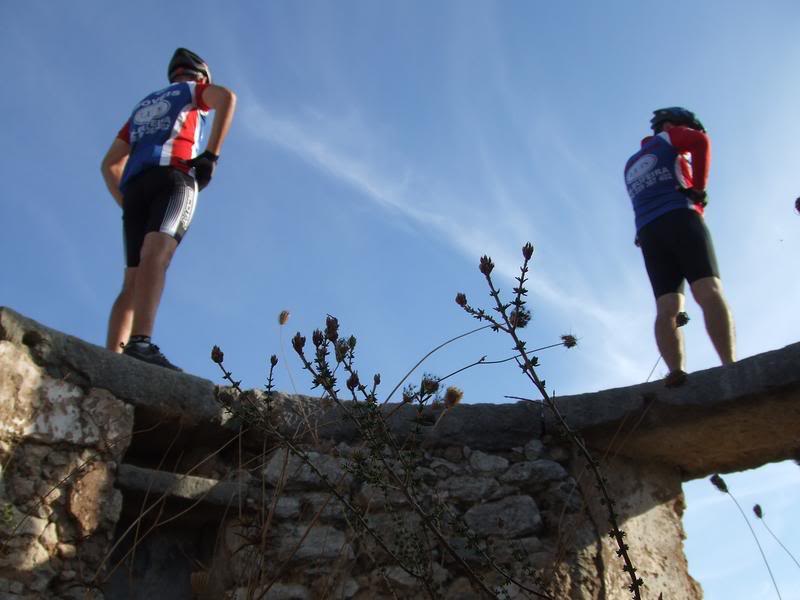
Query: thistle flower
[(408, 395), (341, 350), (283, 317), (273, 360), (351, 341), (569, 340), (352, 381), (332, 328), (376, 379), (430, 385), (527, 251), (298, 342), (519, 317), (486, 265), (719, 483), (317, 338), (682, 319), (757, 510), (217, 355), (461, 299), (452, 396)]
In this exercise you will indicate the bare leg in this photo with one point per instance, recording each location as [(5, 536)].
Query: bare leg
[(669, 337), (121, 318), (719, 321), (157, 251)]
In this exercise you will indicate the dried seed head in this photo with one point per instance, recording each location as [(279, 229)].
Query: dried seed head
[(217, 355), (682, 319), (527, 251), (408, 396), (341, 350), (520, 317), (429, 385), (317, 338), (452, 396), (461, 299), (757, 510), (332, 328), (351, 341), (486, 265), (719, 483), (298, 342), (283, 317), (376, 379), (569, 340), (352, 381), (797, 205), (273, 360)]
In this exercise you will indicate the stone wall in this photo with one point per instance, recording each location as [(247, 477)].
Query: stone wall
[(60, 444), (125, 481)]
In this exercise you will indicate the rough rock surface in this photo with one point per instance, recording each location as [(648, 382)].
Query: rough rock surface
[(216, 515)]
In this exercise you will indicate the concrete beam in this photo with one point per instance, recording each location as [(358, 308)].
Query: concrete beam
[(723, 419)]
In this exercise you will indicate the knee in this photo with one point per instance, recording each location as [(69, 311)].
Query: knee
[(707, 291), (155, 258)]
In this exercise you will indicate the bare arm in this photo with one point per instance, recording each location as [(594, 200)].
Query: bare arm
[(112, 166), (223, 102)]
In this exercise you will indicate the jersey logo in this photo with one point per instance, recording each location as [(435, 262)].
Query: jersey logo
[(151, 112), (640, 168)]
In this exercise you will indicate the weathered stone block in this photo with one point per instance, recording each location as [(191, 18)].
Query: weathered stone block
[(511, 517), (469, 489), (536, 473), (487, 463)]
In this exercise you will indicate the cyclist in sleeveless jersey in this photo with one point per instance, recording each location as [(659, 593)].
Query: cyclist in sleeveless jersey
[(666, 181), (154, 171)]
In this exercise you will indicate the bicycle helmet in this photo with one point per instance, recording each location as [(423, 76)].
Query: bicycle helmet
[(677, 115), (186, 62)]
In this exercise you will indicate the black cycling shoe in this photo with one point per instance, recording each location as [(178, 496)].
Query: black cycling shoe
[(148, 353)]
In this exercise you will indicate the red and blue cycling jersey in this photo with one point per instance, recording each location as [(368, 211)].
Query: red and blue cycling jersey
[(678, 158), (165, 129)]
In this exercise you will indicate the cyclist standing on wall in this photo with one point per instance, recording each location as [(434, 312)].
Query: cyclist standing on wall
[(154, 171), (666, 181)]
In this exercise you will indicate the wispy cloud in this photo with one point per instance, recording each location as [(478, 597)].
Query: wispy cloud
[(430, 203)]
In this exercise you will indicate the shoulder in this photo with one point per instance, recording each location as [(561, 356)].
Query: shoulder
[(686, 136)]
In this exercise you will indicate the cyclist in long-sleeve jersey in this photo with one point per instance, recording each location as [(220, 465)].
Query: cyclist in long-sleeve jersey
[(666, 181)]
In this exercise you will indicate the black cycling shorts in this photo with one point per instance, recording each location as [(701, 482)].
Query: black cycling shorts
[(160, 199), (677, 246)]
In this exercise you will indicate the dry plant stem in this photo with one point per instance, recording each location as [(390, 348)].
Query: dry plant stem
[(753, 533), (153, 506), (299, 543), (424, 358), (403, 486), (297, 451), (775, 537), (527, 367)]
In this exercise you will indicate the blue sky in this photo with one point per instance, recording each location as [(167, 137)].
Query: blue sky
[(379, 149)]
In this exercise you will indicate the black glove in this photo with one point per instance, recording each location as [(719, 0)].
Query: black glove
[(203, 167), (697, 196)]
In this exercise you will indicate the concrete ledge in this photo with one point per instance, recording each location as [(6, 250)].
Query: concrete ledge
[(723, 419), (177, 485), (148, 388)]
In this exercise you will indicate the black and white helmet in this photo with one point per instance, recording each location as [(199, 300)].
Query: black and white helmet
[(677, 115), (186, 62)]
